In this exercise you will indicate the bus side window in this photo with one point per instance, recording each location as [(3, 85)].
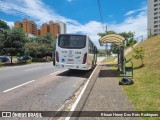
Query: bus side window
[(90, 47)]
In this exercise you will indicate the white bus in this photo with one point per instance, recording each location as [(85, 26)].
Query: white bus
[(75, 52)]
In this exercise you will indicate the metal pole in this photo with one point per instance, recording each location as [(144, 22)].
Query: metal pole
[(122, 59), (118, 60)]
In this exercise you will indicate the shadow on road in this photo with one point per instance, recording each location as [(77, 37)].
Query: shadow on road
[(108, 71), (77, 73)]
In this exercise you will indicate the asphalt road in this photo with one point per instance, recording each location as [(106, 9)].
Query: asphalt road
[(38, 87)]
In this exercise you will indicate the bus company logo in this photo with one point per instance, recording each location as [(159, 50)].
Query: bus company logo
[(63, 60)]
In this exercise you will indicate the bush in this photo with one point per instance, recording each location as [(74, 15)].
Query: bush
[(139, 54), (25, 61), (29, 61)]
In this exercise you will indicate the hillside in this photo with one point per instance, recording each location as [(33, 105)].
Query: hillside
[(145, 93)]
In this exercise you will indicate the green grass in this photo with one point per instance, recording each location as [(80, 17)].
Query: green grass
[(109, 60), (144, 94)]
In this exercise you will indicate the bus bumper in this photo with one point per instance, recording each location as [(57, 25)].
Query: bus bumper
[(72, 66)]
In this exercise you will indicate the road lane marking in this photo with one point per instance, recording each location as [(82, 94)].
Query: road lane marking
[(32, 69), (79, 97), (18, 86), (60, 71)]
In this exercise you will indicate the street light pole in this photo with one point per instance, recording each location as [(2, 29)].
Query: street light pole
[(106, 28)]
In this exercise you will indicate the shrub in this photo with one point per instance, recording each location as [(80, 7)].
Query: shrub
[(25, 61), (139, 54), (29, 61)]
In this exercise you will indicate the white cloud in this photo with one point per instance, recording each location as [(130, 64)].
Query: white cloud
[(9, 23), (39, 12), (135, 11), (137, 24)]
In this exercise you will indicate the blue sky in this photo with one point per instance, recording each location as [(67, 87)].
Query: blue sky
[(81, 16)]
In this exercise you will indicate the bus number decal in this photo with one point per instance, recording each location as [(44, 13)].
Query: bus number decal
[(78, 52)]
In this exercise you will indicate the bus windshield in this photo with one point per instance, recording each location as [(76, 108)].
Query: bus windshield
[(72, 41)]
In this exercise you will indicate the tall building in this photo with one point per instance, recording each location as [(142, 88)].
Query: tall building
[(18, 24), (153, 17), (38, 32), (44, 29), (62, 27), (29, 27), (54, 28)]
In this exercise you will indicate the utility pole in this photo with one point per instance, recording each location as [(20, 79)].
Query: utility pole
[(106, 28)]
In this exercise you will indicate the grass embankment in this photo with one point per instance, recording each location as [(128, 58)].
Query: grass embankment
[(144, 94)]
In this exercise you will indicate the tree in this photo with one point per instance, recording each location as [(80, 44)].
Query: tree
[(3, 28), (114, 48), (106, 33), (3, 25), (14, 42), (139, 54), (2, 37), (41, 46), (126, 35), (101, 52), (129, 38)]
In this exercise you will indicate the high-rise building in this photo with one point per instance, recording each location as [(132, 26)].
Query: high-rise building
[(62, 27), (38, 32), (44, 29), (18, 24), (54, 28), (153, 17), (29, 27)]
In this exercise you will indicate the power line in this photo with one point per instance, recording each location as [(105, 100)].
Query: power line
[(100, 11)]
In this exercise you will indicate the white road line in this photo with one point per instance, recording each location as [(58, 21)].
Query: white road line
[(58, 72), (32, 69), (79, 97), (18, 86)]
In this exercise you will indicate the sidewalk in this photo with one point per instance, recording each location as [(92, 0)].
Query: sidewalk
[(104, 94)]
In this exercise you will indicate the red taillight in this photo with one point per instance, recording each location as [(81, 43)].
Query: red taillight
[(85, 58), (57, 56)]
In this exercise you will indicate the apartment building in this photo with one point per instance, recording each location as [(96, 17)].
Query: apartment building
[(62, 27), (153, 17), (54, 28), (44, 29), (30, 27)]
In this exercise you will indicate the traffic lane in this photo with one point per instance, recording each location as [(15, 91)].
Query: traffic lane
[(47, 93), (9, 80), (24, 67)]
